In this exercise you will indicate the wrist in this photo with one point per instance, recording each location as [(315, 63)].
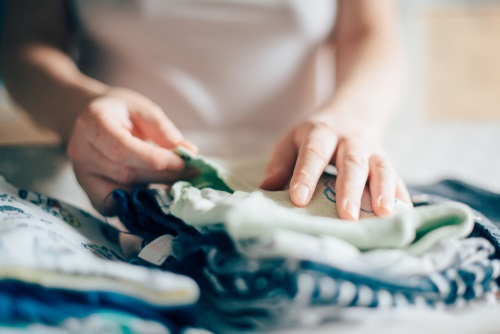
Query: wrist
[(80, 93)]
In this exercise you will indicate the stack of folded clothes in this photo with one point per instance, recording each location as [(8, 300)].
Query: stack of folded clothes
[(262, 263), (60, 272), (259, 262)]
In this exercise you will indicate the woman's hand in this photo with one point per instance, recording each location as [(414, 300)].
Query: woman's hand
[(122, 140), (302, 155), (369, 81)]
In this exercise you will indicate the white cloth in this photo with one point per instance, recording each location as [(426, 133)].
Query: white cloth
[(443, 255), (255, 214), (45, 241), (224, 64), (216, 196)]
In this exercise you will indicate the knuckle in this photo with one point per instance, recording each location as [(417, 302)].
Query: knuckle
[(304, 176), (316, 151), (356, 160), (308, 126), (324, 126), (319, 127), (93, 110), (157, 164), (305, 129), (381, 163)]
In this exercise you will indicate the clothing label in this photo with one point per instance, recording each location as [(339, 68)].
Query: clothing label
[(157, 251)]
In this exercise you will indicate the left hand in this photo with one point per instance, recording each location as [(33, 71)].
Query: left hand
[(302, 155)]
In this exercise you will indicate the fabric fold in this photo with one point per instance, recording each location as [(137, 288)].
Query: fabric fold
[(206, 201), (58, 262)]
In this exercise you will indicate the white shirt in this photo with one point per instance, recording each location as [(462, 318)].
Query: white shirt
[(239, 65)]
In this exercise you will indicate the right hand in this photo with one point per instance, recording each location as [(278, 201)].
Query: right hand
[(123, 140)]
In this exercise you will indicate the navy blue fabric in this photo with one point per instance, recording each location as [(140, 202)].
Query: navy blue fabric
[(240, 289), (226, 268), (482, 200), (268, 292), (21, 301), (2, 23), (142, 216)]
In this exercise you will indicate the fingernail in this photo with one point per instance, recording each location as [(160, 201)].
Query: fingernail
[(189, 146), (386, 204), (351, 208), (302, 193)]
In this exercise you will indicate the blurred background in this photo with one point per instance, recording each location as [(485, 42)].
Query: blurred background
[(448, 125)]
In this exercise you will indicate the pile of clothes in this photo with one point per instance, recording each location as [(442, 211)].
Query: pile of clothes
[(261, 263), (217, 253), (61, 272)]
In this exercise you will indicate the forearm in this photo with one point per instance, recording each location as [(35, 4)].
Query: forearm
[(46, 83), (369, 82), (370, 77)]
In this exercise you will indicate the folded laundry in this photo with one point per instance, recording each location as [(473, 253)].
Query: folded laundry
[(268, 282), (273, 293), (485, 205), (331, 251), (142, 214), (480, 199), (31, 302), (57, 262), (251, 214), (101, 321), (262, 263)]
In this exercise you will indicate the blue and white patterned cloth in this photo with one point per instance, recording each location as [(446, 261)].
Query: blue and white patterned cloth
[(286, 291), (58, 263)]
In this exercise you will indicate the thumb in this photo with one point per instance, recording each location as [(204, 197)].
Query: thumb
[(280, 167), (154, 125)]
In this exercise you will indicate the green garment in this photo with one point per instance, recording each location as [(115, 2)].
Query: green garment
[(217, 197)]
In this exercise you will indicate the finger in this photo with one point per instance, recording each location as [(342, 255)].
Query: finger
[(155, 125), (382, 180), (402, 192), (352, 167), (117, 143), (123, 174), (280, 167), (315, 153), (189, 146)]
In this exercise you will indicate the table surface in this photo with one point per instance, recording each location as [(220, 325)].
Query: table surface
[(43, 169)]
